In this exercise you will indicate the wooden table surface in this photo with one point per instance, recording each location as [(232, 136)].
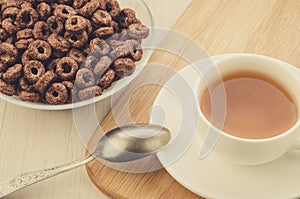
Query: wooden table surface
[(31, 139)]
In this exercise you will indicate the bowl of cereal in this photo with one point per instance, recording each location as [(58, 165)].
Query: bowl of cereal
[(64, 54)]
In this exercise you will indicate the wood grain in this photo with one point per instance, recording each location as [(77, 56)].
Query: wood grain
[(270, 28)]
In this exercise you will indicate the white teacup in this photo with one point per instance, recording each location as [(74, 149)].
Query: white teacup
[(251, 151)]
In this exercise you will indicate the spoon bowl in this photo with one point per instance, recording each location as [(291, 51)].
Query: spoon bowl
[(132, 142)]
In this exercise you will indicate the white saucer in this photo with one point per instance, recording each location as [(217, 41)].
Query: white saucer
[(213, 177)]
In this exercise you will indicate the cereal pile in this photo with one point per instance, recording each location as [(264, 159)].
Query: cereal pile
[(63, 51)]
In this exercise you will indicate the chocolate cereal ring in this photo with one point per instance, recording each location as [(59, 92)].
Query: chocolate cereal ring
[(8, 53), (69, 86), (77, 4), (107, 79), (27, 17), (102, 18), (25, 57), (138, 31), (89, 8), (33, 70), (13, 73), (7, 89), (91, 62), (9, 26), (77, 40), (41, 30), (75, 24), (119, 52), (10, 12), (10, 3), (89, 93), (58, 42), (124, 67), (56, 94), (113, 7), (126, 18), (77, 55), (66, 68), (63, 12), (23, 44), (40, 50), (99, 47), (25, 85), (29, 97), (45, 81), (102, 66), (104, 32), (24, 34), (136, 51), (84, 78), (44, 10), (55, 25)]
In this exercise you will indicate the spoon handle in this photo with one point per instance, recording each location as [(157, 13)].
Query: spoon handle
[(9, 185)]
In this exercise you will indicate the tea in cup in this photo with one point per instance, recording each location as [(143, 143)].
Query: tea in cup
[(253, 105)]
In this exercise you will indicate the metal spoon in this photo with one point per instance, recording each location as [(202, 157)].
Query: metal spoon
[(123, 144)]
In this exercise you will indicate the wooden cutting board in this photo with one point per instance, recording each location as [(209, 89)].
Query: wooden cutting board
[(251, 26)]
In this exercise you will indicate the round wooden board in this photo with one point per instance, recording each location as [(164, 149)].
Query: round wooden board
[(117, 184)]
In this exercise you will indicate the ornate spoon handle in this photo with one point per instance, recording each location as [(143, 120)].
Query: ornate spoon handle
[(9, 185)]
